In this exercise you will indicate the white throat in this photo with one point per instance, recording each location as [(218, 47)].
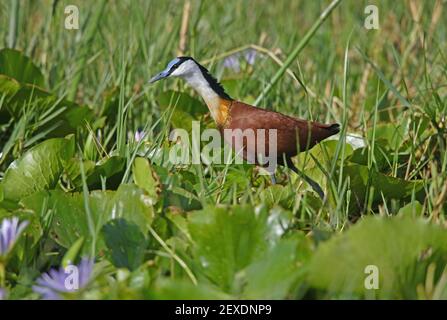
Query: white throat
[(198, 82), (191, 72)]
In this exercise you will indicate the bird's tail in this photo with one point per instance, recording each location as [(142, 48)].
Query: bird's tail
[(333, 128), (322, 131)]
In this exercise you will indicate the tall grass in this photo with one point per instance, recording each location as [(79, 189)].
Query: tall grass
[(122, 44), (387, 86)]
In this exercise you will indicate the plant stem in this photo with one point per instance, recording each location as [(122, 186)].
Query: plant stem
[(297, 50), (2, 275), (88, 36), (13, 24), (174, 256)]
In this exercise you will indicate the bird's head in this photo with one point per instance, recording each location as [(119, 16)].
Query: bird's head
[(194, 73), (179, 67)]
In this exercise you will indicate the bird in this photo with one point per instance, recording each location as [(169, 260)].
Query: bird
[(293, 135)]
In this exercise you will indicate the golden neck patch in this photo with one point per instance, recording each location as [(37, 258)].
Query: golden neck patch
[(220, 109), (224, 112)]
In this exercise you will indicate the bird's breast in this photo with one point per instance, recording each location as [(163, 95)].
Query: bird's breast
[(219, 109)]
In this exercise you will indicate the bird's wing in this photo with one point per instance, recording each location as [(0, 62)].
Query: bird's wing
[(247, 116), (244, 116)]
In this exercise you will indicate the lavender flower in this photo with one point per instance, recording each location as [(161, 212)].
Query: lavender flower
[(250, 56), (139, 135), (233, 61), (10, 231), (53, 285)]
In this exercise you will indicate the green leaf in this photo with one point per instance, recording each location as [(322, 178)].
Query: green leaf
[(275, 273), (125, 243), (232, 86), (45, 111), (68, 116), (15, 64), (399, 248), (226, 240), (381, 157), (324, 152), (186, 110), (393, 134), (243, 249), (413, 209), (111, 168), (72, 253), (131, 203), (278, 194), (167, 289), (8, 86), (146, 178), (70, 219), (38, 169), (182, 119), (389, 187), (73, 170)]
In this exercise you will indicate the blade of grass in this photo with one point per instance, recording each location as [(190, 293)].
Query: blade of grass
[(88, 35), (382, 77), (85, 192), (13, 24)]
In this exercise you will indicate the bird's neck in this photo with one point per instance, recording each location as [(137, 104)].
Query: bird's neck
[(218, 105)]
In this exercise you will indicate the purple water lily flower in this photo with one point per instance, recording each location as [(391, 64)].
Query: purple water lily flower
[(233, 61), (10, 231), (53, 284)]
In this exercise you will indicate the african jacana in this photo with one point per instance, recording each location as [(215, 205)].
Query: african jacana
[(293, 135)]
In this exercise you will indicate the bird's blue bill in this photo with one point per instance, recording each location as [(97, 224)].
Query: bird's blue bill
[(159, 76), (166, 72)]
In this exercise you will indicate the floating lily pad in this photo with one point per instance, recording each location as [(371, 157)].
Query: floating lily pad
[(71, 220), (386, 186), (15, 64), (38, 169), (125, 243), (227, 240), (398, 248)]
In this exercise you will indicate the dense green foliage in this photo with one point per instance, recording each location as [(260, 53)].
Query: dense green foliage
[(71, 102)]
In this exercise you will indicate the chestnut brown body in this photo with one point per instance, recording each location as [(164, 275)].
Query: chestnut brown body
[(292, 135)]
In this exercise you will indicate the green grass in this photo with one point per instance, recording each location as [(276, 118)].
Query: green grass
[(157, 230)]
